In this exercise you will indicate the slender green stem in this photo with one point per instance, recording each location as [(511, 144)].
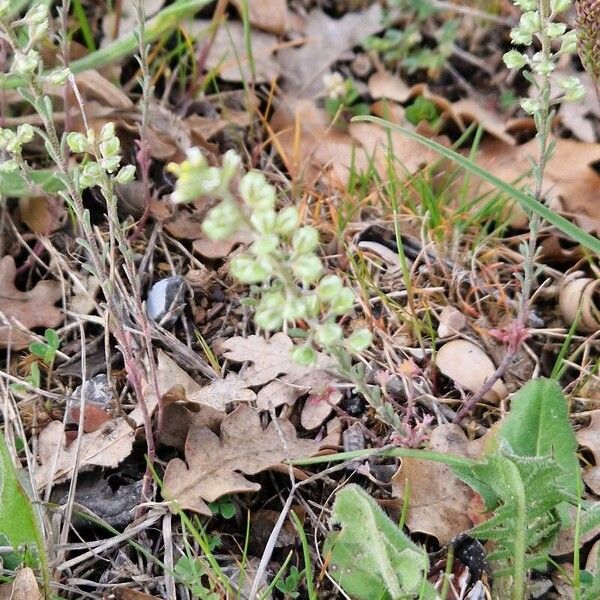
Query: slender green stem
[(519, 572)]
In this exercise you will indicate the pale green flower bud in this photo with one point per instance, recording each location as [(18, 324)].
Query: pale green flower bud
[(313, 305), (573, 89), (530, 105), (294, 309), (264, 220), (569, 42), (555, 30), (107, 132), (91, 175), (307, 268), (305, 240), (519, 37), (125, 175), (25, 133), (514, 59), (110, 164), (58, 76), (9, 166), (558, 6), (287, 220), (360, 340), (230, 166), (328, 334), (304, 355), (250, 270), (4, 7), (265, 244), (110, 147), (25, 64), (222, 221), (257, 192), (343, 302), (37, 14), (269, 313), (77, 142), (530, 22), (329, 288)]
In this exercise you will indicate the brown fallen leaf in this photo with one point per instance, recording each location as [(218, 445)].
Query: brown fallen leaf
[(34, 308), (229, 55), (384, 84), (213, 249), (570, 179), (325, 40), (589, 437), (216, 466), (216, 395), (439, 503), (24, 587), (42, 215), (272, 365), (268, 15), (318, 407)]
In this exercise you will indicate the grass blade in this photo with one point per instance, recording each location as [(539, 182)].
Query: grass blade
[(525, 200)]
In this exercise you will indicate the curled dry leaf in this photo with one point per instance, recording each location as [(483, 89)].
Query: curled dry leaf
[(439, 503), (216, 466), (34, 308), (318, 407), (385, 85), (589, 437), (23, 587), (469, 366), (579, 293)]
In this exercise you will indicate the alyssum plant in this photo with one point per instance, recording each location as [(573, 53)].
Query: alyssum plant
[(287, 276)]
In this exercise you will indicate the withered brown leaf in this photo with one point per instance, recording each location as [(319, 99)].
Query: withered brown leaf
[(216, 466)]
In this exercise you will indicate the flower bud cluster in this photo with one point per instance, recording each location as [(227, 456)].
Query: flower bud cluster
[(107, 158), (282, 261), (12, 142), (532, 25)]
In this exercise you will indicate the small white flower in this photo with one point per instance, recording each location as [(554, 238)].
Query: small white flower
[(335, 86)]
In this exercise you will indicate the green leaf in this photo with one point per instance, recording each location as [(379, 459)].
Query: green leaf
[(538, 425), (526, 201), (13, 185), (19, 522), (52, 338), (371, 557)]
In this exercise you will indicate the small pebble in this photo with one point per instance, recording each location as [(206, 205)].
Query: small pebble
[(166, 298)]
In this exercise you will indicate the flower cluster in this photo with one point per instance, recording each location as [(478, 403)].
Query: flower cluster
[(106, 149), (534, 25), (282, 262), (12, 142), (588, 30)]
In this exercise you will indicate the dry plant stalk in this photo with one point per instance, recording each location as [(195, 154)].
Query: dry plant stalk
[(588, 34)]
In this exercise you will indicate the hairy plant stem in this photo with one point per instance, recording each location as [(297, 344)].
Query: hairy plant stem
[(543, 120)]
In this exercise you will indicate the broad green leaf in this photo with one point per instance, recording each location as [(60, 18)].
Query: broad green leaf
[(19, 522), (538, 425), (12, 185), (526, 201), (371, 557)]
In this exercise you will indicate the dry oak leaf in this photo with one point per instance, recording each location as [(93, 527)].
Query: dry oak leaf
[(216, 466), (34, 308), (439, 503), (23, 587), (570, 177), (272, 365), (216, 395)]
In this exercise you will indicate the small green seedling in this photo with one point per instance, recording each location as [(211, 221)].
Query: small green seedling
[(46, 350), (422, 109), (289, 586), (223, 507), (190, 572), (342, 102)]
